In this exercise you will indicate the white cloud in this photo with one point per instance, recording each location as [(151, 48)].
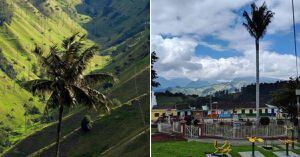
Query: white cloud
[(174, 54), (283, 19), (201, 17), (177, 59), (187, 23)]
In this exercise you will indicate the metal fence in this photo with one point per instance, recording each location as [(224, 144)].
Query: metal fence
[(243, 131), (225, 131), (169, 127)]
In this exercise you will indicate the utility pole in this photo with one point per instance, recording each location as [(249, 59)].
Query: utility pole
[(298, 112), (297, 76)]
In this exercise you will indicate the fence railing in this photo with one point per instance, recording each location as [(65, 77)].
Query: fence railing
[(243, 131), (225, 131), (169, 128)]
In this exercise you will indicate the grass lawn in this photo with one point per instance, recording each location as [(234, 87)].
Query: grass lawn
[(197, 149)]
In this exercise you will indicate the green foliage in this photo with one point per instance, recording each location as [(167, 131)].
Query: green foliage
[(280, 122), (6, 66), (6, 13), (260, 18), (264, 120), (116, 102), (154, 58), (86, 123), (248, 123), (286, 98)]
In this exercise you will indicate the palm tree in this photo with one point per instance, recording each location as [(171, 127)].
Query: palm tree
[(256, 24), (65, 81)]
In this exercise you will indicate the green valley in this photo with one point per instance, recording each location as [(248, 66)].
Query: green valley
[(124, 41)]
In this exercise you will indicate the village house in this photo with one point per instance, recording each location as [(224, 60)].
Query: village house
[(227, 109), (162, 111)]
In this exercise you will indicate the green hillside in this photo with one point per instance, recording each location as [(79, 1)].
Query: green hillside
[(48, 22), (33, 22), (129, 118), (115, 21)]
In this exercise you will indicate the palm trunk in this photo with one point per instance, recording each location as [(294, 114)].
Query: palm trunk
[(257, 79), (61, 109)]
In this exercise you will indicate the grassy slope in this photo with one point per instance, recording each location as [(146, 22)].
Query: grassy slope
[(115, 21), (129, 116), (32, 24), (126, 118), (107, 132), (138, 47)]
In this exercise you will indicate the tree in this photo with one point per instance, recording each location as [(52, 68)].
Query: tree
[(256, 24), (154, 58), (65, 80), (286, 99)]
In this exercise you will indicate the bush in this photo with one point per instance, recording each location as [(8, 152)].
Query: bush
[(280, 122), (248, 123), (116, 102), (86, 123), (6, 13), (33, 110), (196, 121), (264, 121), (188, 120), (221, 123)]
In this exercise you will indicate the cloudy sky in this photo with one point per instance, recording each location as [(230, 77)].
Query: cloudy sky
[(205, 39)]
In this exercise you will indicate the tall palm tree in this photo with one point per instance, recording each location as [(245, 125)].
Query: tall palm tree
[(256, 24), (66, 83)]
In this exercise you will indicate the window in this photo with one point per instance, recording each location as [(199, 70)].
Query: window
[(156, 114), (273, 111), (243, 111), (260, 110), (266, 110), (178, 113), (251, 111)]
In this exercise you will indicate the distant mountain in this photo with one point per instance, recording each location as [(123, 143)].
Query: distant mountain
[(200, 83), (253, 79), (203, 88), (171, 83)]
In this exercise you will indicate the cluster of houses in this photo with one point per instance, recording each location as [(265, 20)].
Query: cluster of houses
[(216, 110)]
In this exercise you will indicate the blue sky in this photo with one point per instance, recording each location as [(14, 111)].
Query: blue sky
[(205, 40)]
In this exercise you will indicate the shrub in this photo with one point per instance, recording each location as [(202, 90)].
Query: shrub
[(116, 102), (86, 123), (33, 110), (264, 121), (280, 122), (196, 121), (221, 123), (248, 123), (6, 13), (188, 120)]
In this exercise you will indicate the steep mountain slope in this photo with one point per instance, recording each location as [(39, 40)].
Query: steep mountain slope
[(115, 21), (41, 22), (47, 22), (130, 63)]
